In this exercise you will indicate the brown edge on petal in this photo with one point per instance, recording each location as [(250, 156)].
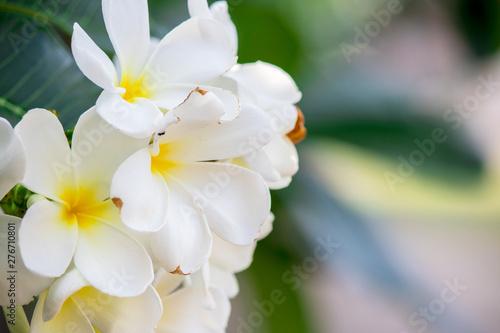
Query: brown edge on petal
[(299, 132), (178, 271), (202, 92), (118, 203)]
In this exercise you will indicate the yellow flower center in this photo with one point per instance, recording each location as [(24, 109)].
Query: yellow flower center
[(81, 207), (137, 89), (162, 164)]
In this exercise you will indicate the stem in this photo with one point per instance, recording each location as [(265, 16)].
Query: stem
[(16, 322), (17, 110), (59, 24)]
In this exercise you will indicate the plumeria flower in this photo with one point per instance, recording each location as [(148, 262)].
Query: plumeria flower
[(12, 168), (76, 221), (73, 305), (182, 309), (271, 89), (148, 83), (175, 190)]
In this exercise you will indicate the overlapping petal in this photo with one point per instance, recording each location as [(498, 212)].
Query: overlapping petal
[(13, 158)]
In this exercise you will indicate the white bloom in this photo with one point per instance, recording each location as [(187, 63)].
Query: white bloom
[(175, 190), (268, 87), (76, 222), (149, 83), (71, 305), (12, 168)]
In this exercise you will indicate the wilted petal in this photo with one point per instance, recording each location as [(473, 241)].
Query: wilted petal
[(93, 62), (138, 119), (184, 243), (28, 285), (141, 194), (127, 23), (112, 261), (13, 158), (235, 200), (49, 160), (47, 238)]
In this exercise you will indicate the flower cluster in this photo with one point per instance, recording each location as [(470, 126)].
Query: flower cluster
[(142, 222)]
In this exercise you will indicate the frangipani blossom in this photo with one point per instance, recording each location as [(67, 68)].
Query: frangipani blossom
[(75, 223), (175, 190), (147, 83), (73, 305), (12, 168), (267, 87)]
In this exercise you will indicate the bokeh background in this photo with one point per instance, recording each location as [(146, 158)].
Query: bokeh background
[(411, 212)]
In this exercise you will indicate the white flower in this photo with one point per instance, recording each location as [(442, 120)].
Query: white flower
[(72, 305), (268, 87), (176, 190), (78, 222), (26, 284), (150, 83)]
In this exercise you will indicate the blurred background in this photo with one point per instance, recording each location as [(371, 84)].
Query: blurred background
[(392, 223)]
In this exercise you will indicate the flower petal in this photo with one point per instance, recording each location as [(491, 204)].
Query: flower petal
[(183, 313), (28, 285), (230, 257), (69, 319), (142, 195), (184, 243), (138, 119), (175, 60), (271, 85), (49, 160), (112, 261), (47, 238), (60, 291), (261, 163), (127, 23), (199, 8), (93, 62), (225, 280), (12, 158), (100, 149), (247, 133), (120, 315), (235, 200), (285, 160), (165, 283), (220, 13)]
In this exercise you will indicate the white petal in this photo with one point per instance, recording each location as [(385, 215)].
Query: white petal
[(142, 194), (92, 61), (199, 8), (283, 155), (214, 141), (110, 314), (230, 257), (182, 313), (12, 158), (69, 319), (224, 280), (184, 243), (165, 283), (285, 118), (270, 84), (127, 23), (100, 149), (267, 227), (60, 291), (235, 200), (112, 261), (220, 13), (138, 119), (196, 51), (201, 283), (261, 163), (47, 239), (49, 160), (27, 284)]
